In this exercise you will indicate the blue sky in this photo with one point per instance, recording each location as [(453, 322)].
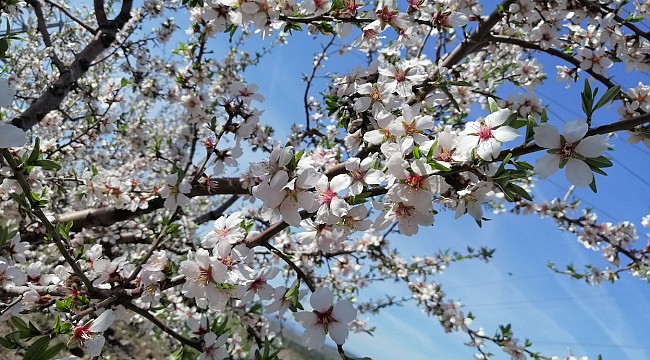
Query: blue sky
[(559, 315)]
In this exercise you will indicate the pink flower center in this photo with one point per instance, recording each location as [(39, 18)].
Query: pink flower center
[(484, 133), (403, 211), (324, 319), (83, 332), (415, 181), (357, 175), (257, 284), (205, 276), (327, 196)]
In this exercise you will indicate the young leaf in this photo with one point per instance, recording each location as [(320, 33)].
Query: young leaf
[(609, 95), (37, 349)]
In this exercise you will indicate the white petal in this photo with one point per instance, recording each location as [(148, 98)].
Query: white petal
[(321, 300), (547, 136), (344, 311), (578, 173), (489, 149), (103, 321), (339, 207), (95, 345), (497, 118), (592, 146), (547, 165), (505, 133), (575, 130), (314, 337), (340, 182), (306, 318), (339, 332)]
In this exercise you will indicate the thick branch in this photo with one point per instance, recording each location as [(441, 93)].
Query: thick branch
[(110, 215), (57, 92)]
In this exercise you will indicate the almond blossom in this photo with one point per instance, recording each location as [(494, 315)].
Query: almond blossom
[(486, 135), (89, 334), (569, 149), (174, 192), (326, 318), (332, 206)]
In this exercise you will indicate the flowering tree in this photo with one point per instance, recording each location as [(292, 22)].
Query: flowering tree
[(116, 150)]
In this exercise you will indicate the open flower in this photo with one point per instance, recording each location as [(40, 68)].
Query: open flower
[(486, 135), (174, 192), (326, 318), (89, 335), (568, 149)]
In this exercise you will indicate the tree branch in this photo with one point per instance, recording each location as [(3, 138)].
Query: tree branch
[(162, 326), (57, 92)]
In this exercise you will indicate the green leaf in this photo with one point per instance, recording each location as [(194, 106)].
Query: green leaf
[(33, 156), (609, 95), (36, 350), (184, 353), (52, 352), (19, 323), (544, 117), (520, 191), (592, 186), (48, 165), (450, 96), (416, 152), (8, 343)]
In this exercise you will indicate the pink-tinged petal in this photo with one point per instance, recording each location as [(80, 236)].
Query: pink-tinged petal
[(340, 182), (547, 165), (383, 221), (407, 226), (11, 136), (103, 321), (505, 133), (592, 146), (95, 345), (575, 130), (497, 118), (578, 173), (314, 337), (344, 311), (339, 332), (321, 300), (547, 136)]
